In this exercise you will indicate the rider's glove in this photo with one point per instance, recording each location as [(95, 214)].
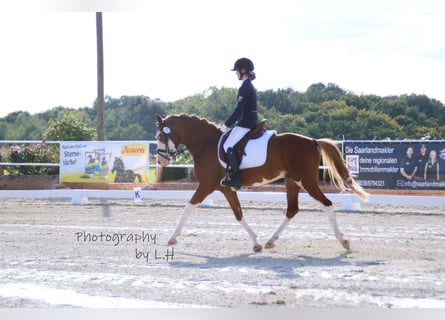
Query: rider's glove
[(223, 127)]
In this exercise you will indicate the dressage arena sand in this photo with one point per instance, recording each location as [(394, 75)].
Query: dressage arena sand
[(55, 254)]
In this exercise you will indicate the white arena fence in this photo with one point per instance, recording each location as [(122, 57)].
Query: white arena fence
[(349, 202)]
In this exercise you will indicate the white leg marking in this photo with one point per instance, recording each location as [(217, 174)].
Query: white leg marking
[(252, 234), (186, 212), (333, 220), (277, 233)]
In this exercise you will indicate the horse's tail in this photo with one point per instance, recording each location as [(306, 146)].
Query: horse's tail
[(338, 171)]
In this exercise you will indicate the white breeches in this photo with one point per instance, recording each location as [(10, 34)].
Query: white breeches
[(235, 136)]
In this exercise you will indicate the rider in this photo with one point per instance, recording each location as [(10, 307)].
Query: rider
[(243, 118)]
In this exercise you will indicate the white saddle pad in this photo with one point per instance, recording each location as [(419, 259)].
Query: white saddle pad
[(255, 151)]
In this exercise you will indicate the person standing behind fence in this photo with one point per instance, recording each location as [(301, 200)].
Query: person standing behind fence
[(409, 167), (432, 167), (421, 160)]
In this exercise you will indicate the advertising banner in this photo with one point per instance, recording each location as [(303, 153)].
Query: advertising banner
[(397, 164), (103, 161)]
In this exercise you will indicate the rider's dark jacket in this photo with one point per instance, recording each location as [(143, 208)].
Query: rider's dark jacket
[(245, 114)]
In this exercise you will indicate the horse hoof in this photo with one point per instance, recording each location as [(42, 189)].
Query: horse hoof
[(257, 248), (172, 242), (269, 245), (346, 244)]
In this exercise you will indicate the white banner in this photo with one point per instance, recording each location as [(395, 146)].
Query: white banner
[(103, 161)]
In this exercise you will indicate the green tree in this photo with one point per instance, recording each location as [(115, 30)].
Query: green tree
[(214, 104), (130, 118), (69, 126), (23, 126), (320, 111)]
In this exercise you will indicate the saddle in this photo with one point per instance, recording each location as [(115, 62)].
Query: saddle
[(239, 148)]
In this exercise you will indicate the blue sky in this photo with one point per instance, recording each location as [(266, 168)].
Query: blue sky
[(179, 48)]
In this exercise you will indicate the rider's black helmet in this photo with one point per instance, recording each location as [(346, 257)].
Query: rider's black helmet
[(243, 63)]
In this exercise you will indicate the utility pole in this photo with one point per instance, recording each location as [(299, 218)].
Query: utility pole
[(100, 78)]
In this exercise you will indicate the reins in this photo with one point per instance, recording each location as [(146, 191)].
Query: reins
[(173, 154)]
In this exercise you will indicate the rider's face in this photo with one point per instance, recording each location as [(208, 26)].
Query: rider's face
[(241, 74), (238, 74)]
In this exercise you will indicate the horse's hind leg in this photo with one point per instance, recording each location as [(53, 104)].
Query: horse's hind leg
[(292, 190), (317, 194), (333, 220)]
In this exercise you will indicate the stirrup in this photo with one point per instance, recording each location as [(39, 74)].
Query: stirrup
[(230, 183)]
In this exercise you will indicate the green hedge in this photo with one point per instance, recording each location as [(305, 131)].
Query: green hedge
[(169, 174)]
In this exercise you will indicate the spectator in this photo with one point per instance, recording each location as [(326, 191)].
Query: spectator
[(409, 167), (421, 160), (432, 167)]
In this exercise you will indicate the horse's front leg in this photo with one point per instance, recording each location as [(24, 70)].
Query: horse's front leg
[(233, 200), (200, 194), (271, 242), (186, 212), (256, 246)]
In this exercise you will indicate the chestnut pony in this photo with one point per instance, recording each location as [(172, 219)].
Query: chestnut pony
[(294, 157)]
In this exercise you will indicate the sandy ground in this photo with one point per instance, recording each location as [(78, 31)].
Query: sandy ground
[(113, 253)]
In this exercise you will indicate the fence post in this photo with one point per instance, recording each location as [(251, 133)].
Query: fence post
[(350, 203), (78, 198)]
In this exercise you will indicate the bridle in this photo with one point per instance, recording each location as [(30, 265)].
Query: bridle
[(169, 150)]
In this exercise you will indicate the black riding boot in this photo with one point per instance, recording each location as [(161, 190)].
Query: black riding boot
[(233, 176)]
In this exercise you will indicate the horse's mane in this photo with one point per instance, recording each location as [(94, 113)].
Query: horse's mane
[(184, 116)]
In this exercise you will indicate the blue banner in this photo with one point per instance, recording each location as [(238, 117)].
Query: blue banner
[(397, 164)]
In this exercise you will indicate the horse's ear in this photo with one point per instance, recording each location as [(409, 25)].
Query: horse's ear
[(159, 119)]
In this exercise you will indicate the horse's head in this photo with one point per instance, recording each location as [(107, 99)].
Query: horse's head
[(118, 165), (166, 146), (189, 130)]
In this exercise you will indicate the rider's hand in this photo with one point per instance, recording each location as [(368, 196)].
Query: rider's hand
[(223, 127)]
